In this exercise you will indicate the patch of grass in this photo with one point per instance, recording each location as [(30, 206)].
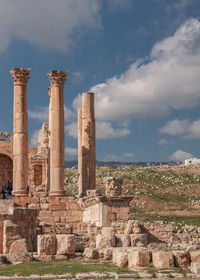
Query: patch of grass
[(179, 220), (168, 198), (60, 267)]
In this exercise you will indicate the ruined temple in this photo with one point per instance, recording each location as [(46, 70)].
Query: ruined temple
[(40, 222), (39, 207)]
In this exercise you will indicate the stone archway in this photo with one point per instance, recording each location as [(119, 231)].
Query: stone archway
[(6, 169)]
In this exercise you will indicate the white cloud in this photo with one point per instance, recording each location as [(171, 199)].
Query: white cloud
[(72, 129), (42, 114), (181, 4), (180, 155), (148, 89), (194, 130), (128, 155), (47, 23), (123, 157), (71, 152), (76, 77), (104, 130), (190, 130), (163, 142), (176, 127), (34, 138), (119, 4), (110, 157)]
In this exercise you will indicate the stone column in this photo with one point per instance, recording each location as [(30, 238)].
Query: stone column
[(20, 131), (57, 80), (88, 143), (80, 171)]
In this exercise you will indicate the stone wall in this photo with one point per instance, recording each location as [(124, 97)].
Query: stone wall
[(6, 169), (37, 174)]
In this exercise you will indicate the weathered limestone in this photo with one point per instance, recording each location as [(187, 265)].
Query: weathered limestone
[(120, 259), (162, 259), (105, 240), (87, 143), (181, 259), (19, 246), (195, 256), (57, 79), (195, 267), (46, 244), (113, 186), (20, 131), (66, 244), (138, 259), (80, 167), (91, 253)]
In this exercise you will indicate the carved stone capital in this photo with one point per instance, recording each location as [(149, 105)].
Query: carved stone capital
[(57, 77), (20, 75)]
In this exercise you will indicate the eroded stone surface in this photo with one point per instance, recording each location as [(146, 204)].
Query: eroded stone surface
[(66, 244), (138, 258), (47, 244), (105, 240), (162, 259)]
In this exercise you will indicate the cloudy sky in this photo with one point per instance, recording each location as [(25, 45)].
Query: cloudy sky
[(141, 58)]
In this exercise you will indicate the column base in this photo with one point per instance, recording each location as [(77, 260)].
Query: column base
[(20, 193), (57, 193)]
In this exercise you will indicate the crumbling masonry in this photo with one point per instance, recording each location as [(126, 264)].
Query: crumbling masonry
[(41, 222)]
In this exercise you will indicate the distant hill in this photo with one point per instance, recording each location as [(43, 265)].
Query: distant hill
[(116, 164)]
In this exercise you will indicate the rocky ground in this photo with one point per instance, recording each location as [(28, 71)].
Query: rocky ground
[(159, 193)]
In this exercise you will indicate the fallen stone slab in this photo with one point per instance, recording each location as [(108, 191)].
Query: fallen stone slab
[(137, 259), (162, 259), (195, 267), (120, 259)]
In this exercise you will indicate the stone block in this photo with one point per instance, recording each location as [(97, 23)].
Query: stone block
[(22, 258), (105, 240), (139, 240), (138, 259), (181, 259), (107, 230), (163, 259), (20, 246), (120, 259), (195, 256), (113, 186), (46, 244), (195, 267), (106, 253), (57, 206), (126, 240), (91, 253), (66, 244)]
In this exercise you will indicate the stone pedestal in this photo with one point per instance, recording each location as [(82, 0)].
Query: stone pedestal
[(20, 131), (56, 126), (87, 144)]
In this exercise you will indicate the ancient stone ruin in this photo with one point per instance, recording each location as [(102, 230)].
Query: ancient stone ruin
[(40, 222)]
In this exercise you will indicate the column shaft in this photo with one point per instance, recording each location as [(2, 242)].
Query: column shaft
[(56, 112), (80, 171), (20, 131), (88, 142)]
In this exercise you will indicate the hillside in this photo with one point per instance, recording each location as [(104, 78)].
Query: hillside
[(159, 193)]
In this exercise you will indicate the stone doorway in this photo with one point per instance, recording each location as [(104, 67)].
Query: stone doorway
[(6, 169)]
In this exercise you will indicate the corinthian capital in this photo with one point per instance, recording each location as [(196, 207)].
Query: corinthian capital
[(20, 75), (57, 77)]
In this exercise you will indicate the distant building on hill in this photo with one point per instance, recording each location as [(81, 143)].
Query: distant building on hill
[(192, 161)]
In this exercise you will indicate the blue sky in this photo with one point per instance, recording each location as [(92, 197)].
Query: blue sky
[(141, 58)]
